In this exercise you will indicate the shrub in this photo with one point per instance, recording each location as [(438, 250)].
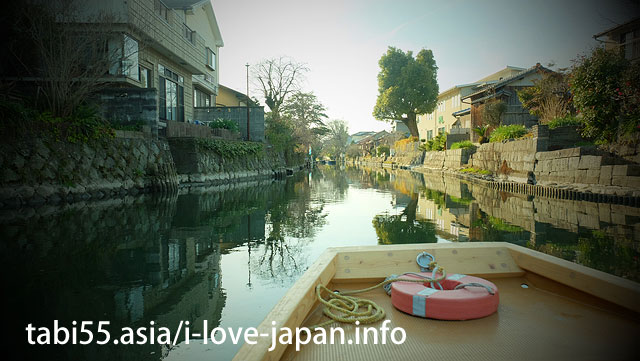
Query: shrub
[(224, 124), (605, 89), (436, 144), (465, 144), (383, 149), (229, 149), (404, 142), (507, 132), (481, 131), (82, 126), (548, 98), (566, 121)]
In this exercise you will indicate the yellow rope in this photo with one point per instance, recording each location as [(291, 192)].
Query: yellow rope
[(340, 307)]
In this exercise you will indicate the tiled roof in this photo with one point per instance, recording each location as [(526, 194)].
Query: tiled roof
[(508, 80)]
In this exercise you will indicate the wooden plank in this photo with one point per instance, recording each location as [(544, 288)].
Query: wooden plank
[(291, 310), (614, 289), (483, 259)]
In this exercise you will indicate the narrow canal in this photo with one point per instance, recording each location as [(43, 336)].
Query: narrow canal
[(227, 254)]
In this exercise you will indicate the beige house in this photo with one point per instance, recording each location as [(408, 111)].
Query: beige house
[(228, 97), (451, 112), (169, 45)]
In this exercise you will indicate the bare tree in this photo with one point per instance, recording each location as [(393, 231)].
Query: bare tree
[(277, 79), (74, 53)]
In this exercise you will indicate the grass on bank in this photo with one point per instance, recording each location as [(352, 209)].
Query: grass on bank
[(465, 144), (475, 171), (229, 149), (506, 132)]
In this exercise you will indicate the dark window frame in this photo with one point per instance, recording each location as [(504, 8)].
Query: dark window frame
[(211, 59)]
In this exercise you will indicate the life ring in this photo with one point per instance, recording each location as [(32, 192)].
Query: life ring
[(460, 297)]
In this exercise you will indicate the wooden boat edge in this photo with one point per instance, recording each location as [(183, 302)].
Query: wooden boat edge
[(294, 306)]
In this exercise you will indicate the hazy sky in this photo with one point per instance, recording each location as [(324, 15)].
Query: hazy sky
[(341, 41)]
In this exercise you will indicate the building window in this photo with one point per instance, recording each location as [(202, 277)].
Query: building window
[(441, 106), (430, 116), (144, 77), (171, 94), (429, 134), (123, 56), (201, 98), (161, 10), (627, 45), (441, 130), (455, 101), (440, 119), (211, 59)]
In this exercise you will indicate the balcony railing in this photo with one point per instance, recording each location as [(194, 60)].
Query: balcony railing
[(188, 33)]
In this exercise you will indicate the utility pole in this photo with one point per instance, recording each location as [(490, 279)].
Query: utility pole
[(248, 136)]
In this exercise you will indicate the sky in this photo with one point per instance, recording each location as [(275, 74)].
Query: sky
[(342, 41)]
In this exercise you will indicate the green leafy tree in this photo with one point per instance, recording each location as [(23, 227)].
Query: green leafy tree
[(407, 86), (353, 151), (404, 228), (336, 141), (606, 90), (279, 133), (306, 115)]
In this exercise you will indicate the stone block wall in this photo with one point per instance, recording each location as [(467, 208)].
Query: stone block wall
[(514, 160), (585, 165), (197, 165), (434, 160), (554, 139), (408, 154), (451, 159), (39, 171), (457, 158)]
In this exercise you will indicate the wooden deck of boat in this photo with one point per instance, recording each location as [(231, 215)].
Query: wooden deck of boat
[(568, 312), (543, 322)]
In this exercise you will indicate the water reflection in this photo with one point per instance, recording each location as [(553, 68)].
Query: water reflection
[(214, 253), (601, 236)]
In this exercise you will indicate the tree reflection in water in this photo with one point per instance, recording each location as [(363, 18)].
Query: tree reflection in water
[(404, 228), (292, 220)]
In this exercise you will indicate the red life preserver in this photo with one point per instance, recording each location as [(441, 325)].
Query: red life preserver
[(468, 302)]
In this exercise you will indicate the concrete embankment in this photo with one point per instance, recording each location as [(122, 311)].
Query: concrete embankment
[(39, 171)]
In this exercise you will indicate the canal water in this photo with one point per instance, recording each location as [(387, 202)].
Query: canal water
[(225, 255)]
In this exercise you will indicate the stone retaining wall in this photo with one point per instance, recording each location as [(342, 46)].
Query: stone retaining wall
[(583, 165), (408, 154), (39, 171), (457, 158), (513, 160), (434, 160), (196, 165)]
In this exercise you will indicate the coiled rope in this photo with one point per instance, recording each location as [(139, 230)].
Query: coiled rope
[(341, 307)]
